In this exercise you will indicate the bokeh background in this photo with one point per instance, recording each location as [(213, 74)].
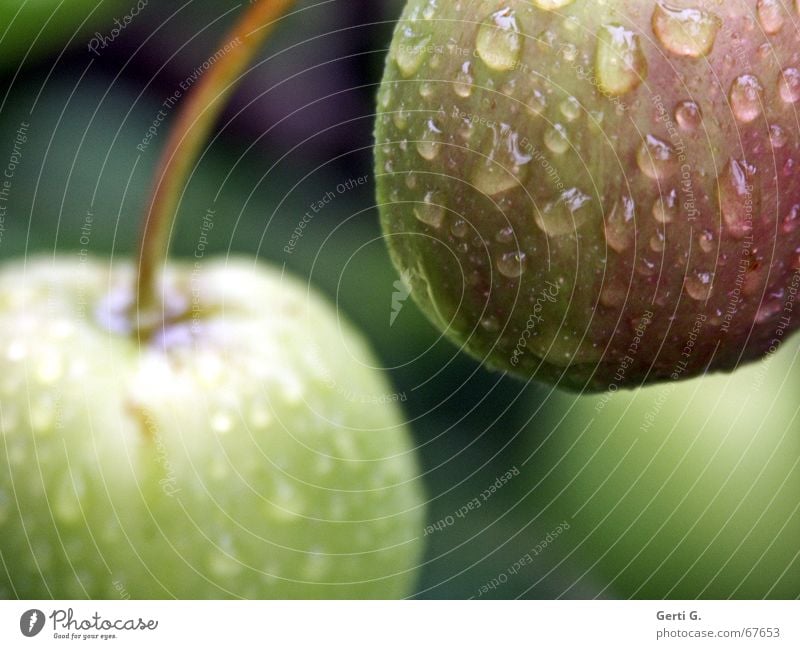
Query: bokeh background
[(682, 491)]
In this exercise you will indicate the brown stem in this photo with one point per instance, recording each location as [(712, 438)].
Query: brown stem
[(188, 136)]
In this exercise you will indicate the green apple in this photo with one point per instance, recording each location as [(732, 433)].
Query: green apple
[(30, 28), (682, 490), (236, 450), (552, 172)]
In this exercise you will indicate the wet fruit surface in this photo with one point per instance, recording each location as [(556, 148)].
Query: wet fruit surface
[(238, 453), (607, 164)]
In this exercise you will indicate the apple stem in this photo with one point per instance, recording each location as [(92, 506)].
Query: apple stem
[(187, 138)]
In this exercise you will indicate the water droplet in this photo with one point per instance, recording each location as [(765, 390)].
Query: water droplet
[(459, 228), (767, 312), (411, 51), (658, 242), (508, 89), (699, 286), (490, 324), (620, 63), (657, 159), (512, 264), (429, 11), (431, 211), (792, 220), (536, 103), (566, 215), (737, 197), (685, 32), (505, 235), (464, 81), (688, 115), (552, 4), (429, 145), (620, 226), (411, 180), (499, 42), (770, 15), (570, 108), (506, 166), (426, 90), (789, 85), (665, 209), (385, 96), (777, 136), (556, 140), (400, 119), (569, 52), (645, 267), (706, 241), (746, 98)]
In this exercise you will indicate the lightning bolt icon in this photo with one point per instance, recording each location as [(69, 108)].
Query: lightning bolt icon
[(32, 621)]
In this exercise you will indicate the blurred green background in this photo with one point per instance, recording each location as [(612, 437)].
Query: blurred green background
[(680, 491)]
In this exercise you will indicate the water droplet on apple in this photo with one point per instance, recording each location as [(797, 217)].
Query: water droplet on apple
[(431, 211), (512, 264), (499, 42), (620, 226), (429, 144), (777, 136), (566, 215), (570, 108), (459, 228), (699, 286), (490, 324), (464, 81), (556, 140), (411, 51), (685, 31), (665, 209), (789, 85), (688, 115), (657, 159), (620, 64), (746, 98), (792, 220), (536, 103), (770, 15), (706, 241), (552, 4), (737, 197)]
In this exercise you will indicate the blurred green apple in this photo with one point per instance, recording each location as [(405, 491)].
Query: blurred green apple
[(234, 451), (30, 28), (683, 490)]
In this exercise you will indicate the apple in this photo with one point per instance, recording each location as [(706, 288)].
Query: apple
[(33, 28), (682, 490), (232, 448), (553, 172)]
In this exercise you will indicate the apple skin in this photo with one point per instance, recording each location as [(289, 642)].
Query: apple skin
[(237, 452), (47, 25), (545, 185), (682, 490)]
